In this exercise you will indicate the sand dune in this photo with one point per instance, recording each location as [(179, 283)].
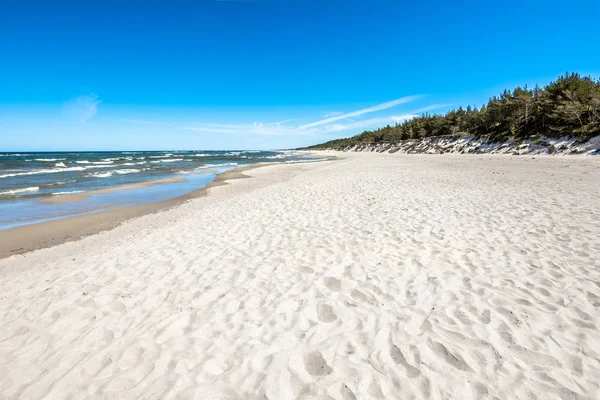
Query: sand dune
[(375, 276)]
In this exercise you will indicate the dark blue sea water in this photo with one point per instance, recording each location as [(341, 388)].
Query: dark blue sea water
[(26, 178)]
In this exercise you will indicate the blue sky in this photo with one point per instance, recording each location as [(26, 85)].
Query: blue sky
[(267, 73)]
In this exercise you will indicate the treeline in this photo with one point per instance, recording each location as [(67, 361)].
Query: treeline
[(569, 106)]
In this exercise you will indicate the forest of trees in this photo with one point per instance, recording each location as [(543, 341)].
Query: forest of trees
[(569, 106)]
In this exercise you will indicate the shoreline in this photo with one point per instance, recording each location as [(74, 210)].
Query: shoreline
[(36, 236), (70, 198)]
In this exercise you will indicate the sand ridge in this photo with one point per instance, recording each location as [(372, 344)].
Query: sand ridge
[(371, 277)]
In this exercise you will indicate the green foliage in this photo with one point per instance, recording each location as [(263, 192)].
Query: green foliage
[(569, 106)]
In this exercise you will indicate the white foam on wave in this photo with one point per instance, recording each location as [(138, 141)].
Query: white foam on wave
[(60, 164), (134, 163), (162, 156), (167, 161), (275, 156), (68, 192), (98, 166), (106, 174), (82, 162), (205, 166), (44, 171), (49, 159), (22, 190)]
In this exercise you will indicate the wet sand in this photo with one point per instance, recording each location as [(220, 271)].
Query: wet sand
[(46, 234), (82, 196)]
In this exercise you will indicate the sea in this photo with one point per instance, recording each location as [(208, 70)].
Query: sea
[(27, 178)]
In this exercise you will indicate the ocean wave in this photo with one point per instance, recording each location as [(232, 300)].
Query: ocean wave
[(205, 166), (60, 164), (82, 162), (59, 183), (43, 171), (23, 190), (106, 161), (275, 157), (71, 192), (202, 155), (134, 163), (106, 174), (49, 159), (170, 160), (97, 166), (163, 156)]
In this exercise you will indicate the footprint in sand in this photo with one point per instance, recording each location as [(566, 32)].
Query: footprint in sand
[(347, 393), (316, 365), (333, 284), (325, 313), (485, 317), (454, 360), (360, 296), (398, 358)]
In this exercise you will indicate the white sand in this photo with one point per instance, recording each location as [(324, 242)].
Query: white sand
[(372, 277)]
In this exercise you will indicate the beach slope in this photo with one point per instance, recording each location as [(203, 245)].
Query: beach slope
[(375, 276)]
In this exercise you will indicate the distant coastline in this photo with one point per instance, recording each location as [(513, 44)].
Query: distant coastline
[(561, 118)]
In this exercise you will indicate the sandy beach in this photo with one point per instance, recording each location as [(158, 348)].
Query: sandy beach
[(374, 276)]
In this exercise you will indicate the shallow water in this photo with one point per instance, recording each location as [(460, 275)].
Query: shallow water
[(27, 178)]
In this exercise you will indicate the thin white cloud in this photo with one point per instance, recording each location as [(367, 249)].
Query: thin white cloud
[(383, 120), (82, 108), (369, 123), (379, 107), (257, 128), (337, 123)]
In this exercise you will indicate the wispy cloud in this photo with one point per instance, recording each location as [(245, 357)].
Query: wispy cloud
[(367, 123), (257, 128), (82, 108), (379, 107), (333, 122)]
